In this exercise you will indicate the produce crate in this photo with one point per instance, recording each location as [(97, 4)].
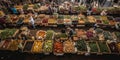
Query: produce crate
[(91, 19), (94, 49), (113, 48), (38, 21), (33, 33), (52, 21), (58, 48), (37, 47), (8, 33), (67, 21), (105, 20), (40, 34), (26, 20), (5, 45), (49, 35), (69, 47), (60, 21), (104, 48), (81, 47), (81, 34), (63, 36), (1, 43), (75, 38), (117, 34), (118, 46), (28, 46), (107, 35), (45, 21), (13, 45), (48, 46)]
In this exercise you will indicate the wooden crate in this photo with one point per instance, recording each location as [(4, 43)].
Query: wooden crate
[(38, 46), (96, 46), (13, 45), (28, 49), (5, 45), (107, 48)]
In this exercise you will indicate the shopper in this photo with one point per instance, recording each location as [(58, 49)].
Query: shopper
[(103, 13), (32, 21), (117, 25), (14, 10), (89, 11), (96, 26)]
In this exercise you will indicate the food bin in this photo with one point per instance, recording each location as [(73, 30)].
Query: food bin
[(5, 45), (58, 48), (48, 47), (81, 34), (13, 45), (1, 43), (63, 36), (49, 35), (14, 19), (81, 47), (37, 46), (107, 35), (69, 47), (94, 49), (113, 47), (60, 19), (38, 21), (28, 46), (74, 20), (91, 19), (41, 34), (52, 21), (104, 48), (118, 46), (105, 20), (8, 33), (26, 20), (91, 34), (117, 34), (67, 21)]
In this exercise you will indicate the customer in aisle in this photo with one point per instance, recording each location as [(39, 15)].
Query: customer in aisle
[(14, 10), (32, 20), (117, 25), (103, 13), (89, 11)]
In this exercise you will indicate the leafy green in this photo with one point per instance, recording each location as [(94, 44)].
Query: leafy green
[(25, 7), (117, 34), (36, 6), (48, 46), (107, 35), (103, 47), (93, 47), (63, 35), (7, 33), (49, 34), (81, 46), (105, 21)]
